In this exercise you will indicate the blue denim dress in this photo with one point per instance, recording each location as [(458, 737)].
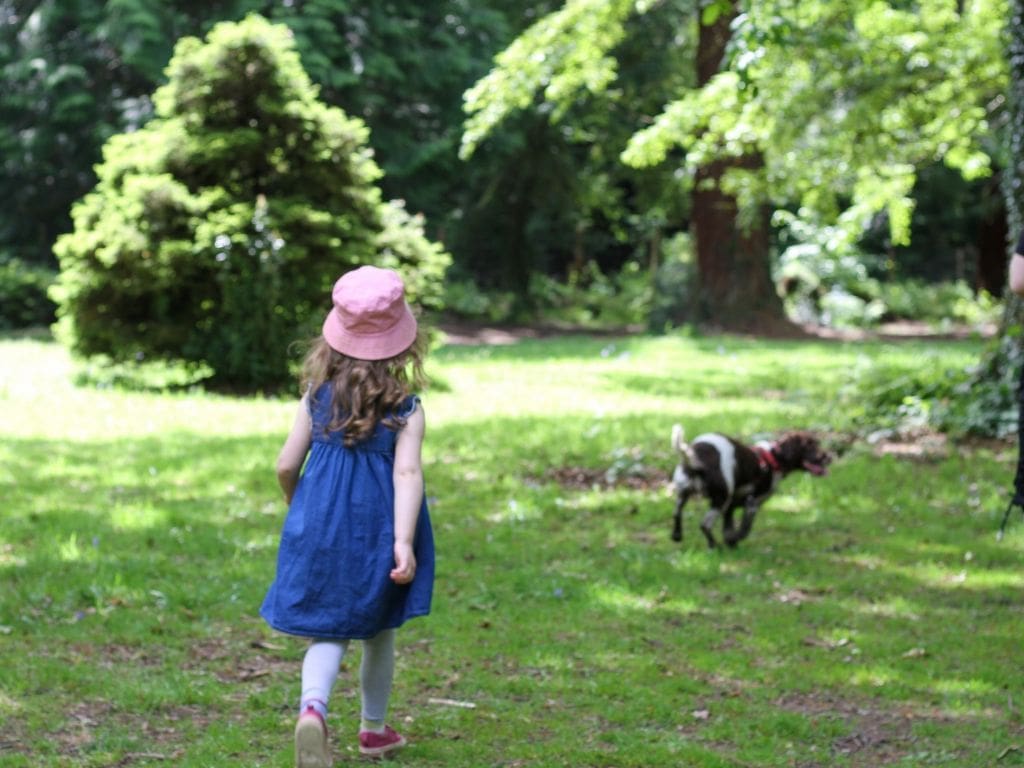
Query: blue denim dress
[(337, 544)]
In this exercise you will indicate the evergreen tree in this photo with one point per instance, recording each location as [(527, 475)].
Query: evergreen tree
[(216, 231)]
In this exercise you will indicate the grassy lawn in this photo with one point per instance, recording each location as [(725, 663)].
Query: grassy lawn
[(870, 619)]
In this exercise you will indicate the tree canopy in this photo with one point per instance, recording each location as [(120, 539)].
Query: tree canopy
[(842, 100)]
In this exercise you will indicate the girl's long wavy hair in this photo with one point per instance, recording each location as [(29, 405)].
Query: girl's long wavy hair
[(364, 392)]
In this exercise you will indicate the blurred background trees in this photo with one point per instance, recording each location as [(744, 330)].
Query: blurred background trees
[(747, 165)]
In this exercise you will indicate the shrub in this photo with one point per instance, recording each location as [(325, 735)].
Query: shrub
[(675, 280), (977, 399), (23, 295), (215, 232), (592, 299), (937, 302)]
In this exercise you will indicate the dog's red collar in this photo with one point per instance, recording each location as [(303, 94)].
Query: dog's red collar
[(767, 457)]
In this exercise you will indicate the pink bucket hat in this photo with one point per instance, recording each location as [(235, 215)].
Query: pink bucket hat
[(371, 319)]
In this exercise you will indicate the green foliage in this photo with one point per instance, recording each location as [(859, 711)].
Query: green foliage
[(827, 279), (937, 303), (73, 73), (955, 398), (464, 298), (674, 292), (631, 297), (589, 298), (55, 110), (560, 55), (947, 232), (563, 192), (23, 295), (843, 101), (215, 232), (991, 397)]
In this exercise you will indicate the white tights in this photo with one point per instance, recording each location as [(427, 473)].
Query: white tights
[(323, 660)]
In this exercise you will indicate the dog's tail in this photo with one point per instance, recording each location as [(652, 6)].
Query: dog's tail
[(680, 445), (677, 438)]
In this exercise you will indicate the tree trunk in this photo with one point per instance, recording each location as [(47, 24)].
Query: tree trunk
[(1013, 175), (990, 272), (735, 286), (995, 389)]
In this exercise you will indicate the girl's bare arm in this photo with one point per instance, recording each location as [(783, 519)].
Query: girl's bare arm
[(293, 453), (408, 478)]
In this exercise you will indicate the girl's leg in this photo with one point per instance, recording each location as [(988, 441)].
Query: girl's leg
[(319, 672), (376, 673)]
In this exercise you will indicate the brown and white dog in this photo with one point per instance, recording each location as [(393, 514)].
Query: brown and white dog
[(732, 475)]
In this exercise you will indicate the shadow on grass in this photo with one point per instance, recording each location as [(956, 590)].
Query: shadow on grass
[(93, 522)]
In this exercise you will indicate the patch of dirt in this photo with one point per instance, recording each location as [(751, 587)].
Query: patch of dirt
[(876, 736), (587, 479), (904, 330), (159, 732), (925, 444), (916, 445)]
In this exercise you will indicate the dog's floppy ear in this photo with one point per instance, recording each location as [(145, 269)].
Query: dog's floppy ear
[(802, 450), (677, 437)]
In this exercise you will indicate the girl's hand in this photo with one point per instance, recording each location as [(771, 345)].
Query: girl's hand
[(405, 563)]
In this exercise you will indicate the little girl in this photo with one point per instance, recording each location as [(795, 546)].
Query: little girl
[(356, 558)]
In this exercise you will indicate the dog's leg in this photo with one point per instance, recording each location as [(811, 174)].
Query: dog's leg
[(677, 518), (728, 523), (749, 513), (708, 526)]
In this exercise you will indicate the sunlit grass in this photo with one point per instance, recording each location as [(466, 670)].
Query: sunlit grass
[(866, 621)]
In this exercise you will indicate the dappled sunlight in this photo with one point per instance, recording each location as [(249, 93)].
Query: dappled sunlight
[(8, 705), (515, 511), (947, 698), (10, 558), (132, 518), (40, 400), (893, 608), (874, 676), (73, 549), (618, 598), (965, 691), (956, 577), (652, 376)]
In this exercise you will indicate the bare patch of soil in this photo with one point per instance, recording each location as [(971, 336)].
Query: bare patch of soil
[(916, 445), (587, 479), (925, 444), (876, 734), (903, 330)]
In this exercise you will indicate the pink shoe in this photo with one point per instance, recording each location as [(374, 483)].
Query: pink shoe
[(311, 741), (377, 744)]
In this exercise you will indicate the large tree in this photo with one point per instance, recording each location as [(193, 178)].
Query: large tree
[(736, 288), (216, 231), (994, 395), (822, 108)]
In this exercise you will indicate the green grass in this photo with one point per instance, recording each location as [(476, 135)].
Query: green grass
[(870, 619)]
